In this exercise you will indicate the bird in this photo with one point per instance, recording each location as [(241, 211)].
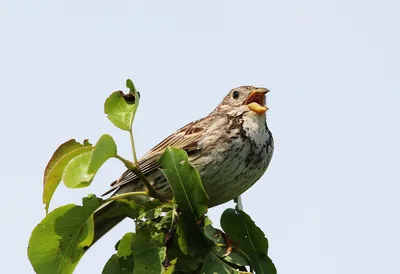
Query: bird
[(231, 149)]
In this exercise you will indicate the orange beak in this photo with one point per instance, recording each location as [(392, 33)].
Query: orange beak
[(256, 100)]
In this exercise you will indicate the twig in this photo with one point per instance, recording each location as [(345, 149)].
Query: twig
[(135, 169)]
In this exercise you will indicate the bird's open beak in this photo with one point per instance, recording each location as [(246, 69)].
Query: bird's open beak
[(256, 100)]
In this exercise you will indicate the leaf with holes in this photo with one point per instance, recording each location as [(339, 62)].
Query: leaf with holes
[(121, 108)]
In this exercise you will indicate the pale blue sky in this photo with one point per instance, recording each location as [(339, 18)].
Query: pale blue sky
[(329, 202)]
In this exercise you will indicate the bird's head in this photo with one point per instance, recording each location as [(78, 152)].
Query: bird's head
[(244, 99)]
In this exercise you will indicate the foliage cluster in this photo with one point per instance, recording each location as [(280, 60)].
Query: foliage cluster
[(170, 236)]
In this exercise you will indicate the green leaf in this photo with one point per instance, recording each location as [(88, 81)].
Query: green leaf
[(241, 229), (57, 164), (213, 264), (125, 245), (233, 257), (262, 264), (148, 253), (80, 171), (185, 182), (59, 241), (75, 174), (131, 86), (104, 149), (191, 198), (247, 237), (216, 236), (121, 108), (117, 265)]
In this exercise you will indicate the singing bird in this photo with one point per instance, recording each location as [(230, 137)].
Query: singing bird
[(231, 149)]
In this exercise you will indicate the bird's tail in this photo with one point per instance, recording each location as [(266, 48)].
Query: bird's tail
[(105, 218)]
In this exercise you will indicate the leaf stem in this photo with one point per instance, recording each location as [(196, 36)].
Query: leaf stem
[(124, 195), (135, 169), (133, 148)]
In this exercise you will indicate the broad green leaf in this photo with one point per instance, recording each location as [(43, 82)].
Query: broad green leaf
[(148, 253), (76, 172), (247, 237), (104, 149), (117, 265), (191, 198), (121, 108), (59, 241), (213, 264), (241, 228), (125, 245), (185, 182), (220, 249), (262, 264), (80, 171), (234, 257), (57, 164)]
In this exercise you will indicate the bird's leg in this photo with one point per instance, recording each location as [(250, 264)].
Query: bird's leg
[(239, 204), (228, 242)]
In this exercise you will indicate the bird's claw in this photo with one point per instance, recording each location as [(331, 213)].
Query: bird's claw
[(228, 242)]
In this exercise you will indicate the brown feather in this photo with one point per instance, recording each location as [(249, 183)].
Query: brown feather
[(185, 138)]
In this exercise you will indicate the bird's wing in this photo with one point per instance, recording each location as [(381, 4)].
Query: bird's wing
[(186, 138)]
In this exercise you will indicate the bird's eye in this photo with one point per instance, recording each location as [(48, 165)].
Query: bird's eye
[(235, 94)]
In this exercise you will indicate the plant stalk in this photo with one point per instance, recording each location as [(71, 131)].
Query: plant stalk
[(135, 169), (133, 148), (124, 195)]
